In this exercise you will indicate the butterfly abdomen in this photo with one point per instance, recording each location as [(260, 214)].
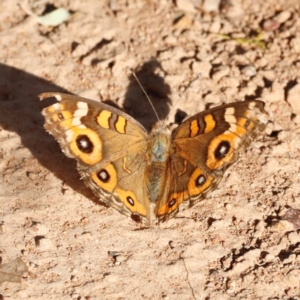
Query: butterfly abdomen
[(155, 180)]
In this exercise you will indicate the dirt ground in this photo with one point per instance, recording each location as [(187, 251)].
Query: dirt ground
[(240, 243)]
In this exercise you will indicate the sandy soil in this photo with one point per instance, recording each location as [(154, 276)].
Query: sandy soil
[(236, 244)]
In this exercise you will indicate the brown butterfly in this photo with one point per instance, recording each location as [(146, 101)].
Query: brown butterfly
[(147, 176)]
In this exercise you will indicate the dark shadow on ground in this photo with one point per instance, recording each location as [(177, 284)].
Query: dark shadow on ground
[(136, 103), (20, 112)]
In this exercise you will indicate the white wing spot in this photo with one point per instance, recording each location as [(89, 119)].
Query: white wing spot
[(77, 122), (69, 136), (56, 106), (57, 96), (82, 110), (230, 118), (82, 105)]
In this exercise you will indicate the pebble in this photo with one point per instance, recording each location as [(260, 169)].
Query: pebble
[(184, 22), (283, 16), (186, 5), (215, 26), (249, 70), (293, 98), (295, 44), (211, 5), (45, 244), (271, 25)]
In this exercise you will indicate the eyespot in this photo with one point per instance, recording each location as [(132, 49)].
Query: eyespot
[(103, 175), (60, 116), (106, 178), (222, 150), (136, 218), (84, 144), (200, 181), (130, 200), (172, 202)]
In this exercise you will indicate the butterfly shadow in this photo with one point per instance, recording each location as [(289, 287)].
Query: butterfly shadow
[(20, 112), (136, 103)]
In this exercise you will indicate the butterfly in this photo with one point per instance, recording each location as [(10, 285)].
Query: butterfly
[(147, 176)]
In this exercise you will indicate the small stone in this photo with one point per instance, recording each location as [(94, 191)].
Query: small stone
[(186, 5), (234, 11), (211, 5), (215, 26), (293, 98), (183, 22), (228, 206), (271, 25), (283, 16), (32, 264), (249, 70), (295, 44), (44, 244), (120, 259), (32, 175)]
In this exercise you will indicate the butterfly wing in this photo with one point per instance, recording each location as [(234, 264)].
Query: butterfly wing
[(109, 146), (204, 146)]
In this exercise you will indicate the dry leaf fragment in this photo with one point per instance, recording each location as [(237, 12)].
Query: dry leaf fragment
[(12, 271), (293, 216), (54, 18)]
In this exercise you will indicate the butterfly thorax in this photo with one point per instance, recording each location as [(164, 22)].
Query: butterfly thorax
[(159, 143), (158, 154)]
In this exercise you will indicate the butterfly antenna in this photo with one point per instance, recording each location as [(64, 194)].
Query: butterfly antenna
[(134, 75), (188, 87)]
